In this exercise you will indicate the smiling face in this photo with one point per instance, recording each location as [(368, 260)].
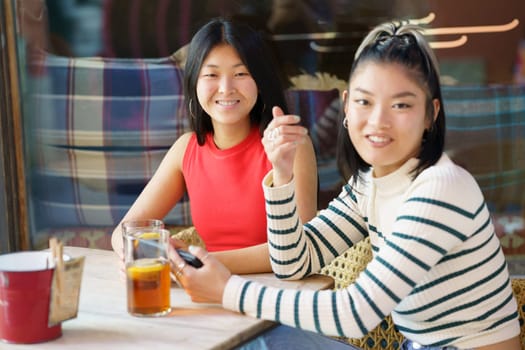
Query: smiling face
[(386, 113), (225, 88)]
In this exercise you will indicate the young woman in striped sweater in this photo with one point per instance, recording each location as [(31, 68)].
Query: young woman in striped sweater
[(438, 267)]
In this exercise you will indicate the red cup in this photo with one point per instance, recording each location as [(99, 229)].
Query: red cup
[(25, 291)]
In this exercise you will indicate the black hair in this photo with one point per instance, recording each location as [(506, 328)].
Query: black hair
[(404, 44), (254, 53)]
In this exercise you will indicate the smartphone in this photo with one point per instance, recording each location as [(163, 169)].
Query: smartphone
[(189, 258)]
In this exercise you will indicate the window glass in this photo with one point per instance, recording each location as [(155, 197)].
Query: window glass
[(96, 128)]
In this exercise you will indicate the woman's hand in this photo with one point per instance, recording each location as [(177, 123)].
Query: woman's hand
[(205, 284), (280, 141)]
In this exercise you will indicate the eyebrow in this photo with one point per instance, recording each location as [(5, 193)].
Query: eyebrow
[(209, 65), (398, 95)]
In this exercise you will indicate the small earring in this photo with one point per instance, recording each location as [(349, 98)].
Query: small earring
[(345, 123)]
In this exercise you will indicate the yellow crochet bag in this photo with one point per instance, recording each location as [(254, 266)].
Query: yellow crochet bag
[(188, 235), (518, 287)]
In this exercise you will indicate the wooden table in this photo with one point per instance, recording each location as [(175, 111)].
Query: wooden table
[(103, 322)]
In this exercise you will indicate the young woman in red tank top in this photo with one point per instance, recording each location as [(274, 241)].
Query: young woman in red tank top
[(233, 91)]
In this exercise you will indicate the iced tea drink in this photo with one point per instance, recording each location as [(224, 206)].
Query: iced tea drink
[(148, 284), (147, 270)]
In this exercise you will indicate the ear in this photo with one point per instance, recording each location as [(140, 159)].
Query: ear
[(345, 100), (437, 107)]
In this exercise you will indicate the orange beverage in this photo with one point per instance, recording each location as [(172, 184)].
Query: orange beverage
[(148, 285)]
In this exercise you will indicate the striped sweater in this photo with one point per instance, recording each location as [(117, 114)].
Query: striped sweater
[(438, 267)]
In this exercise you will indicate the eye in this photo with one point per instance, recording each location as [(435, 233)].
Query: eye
[(362, 101), (242, 74), (401, 105), (208, 73)]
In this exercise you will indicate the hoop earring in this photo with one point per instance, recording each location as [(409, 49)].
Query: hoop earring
[(190, 108), (345, 122)]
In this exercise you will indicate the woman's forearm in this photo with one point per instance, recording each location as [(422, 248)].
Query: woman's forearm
[(255, 259)]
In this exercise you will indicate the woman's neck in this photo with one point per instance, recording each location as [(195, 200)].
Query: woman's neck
[(226, 137)]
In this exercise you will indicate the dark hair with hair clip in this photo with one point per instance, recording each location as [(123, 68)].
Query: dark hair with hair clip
[(254, 53), (403, 44)]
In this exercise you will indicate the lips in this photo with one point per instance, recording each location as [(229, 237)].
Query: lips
[(379, 139), (226, 103)]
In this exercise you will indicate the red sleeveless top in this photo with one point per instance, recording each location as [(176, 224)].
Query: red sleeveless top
[(225, 191)]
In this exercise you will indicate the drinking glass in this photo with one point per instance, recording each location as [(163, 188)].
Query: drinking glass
[(147, 267)]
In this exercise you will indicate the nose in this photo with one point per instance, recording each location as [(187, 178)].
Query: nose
[(226, 85), (380, 117)]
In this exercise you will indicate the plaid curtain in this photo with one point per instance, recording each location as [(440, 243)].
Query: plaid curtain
[(486, 135), (98, 130)]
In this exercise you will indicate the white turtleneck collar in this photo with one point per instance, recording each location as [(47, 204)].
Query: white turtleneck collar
[(396, 181)]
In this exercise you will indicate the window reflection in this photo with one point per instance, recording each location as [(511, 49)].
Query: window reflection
[(86, 162)]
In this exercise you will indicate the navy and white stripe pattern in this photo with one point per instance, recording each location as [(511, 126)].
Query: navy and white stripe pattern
[(438, 267)]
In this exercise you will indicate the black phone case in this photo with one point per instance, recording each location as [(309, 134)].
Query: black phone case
[(189, 258)]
